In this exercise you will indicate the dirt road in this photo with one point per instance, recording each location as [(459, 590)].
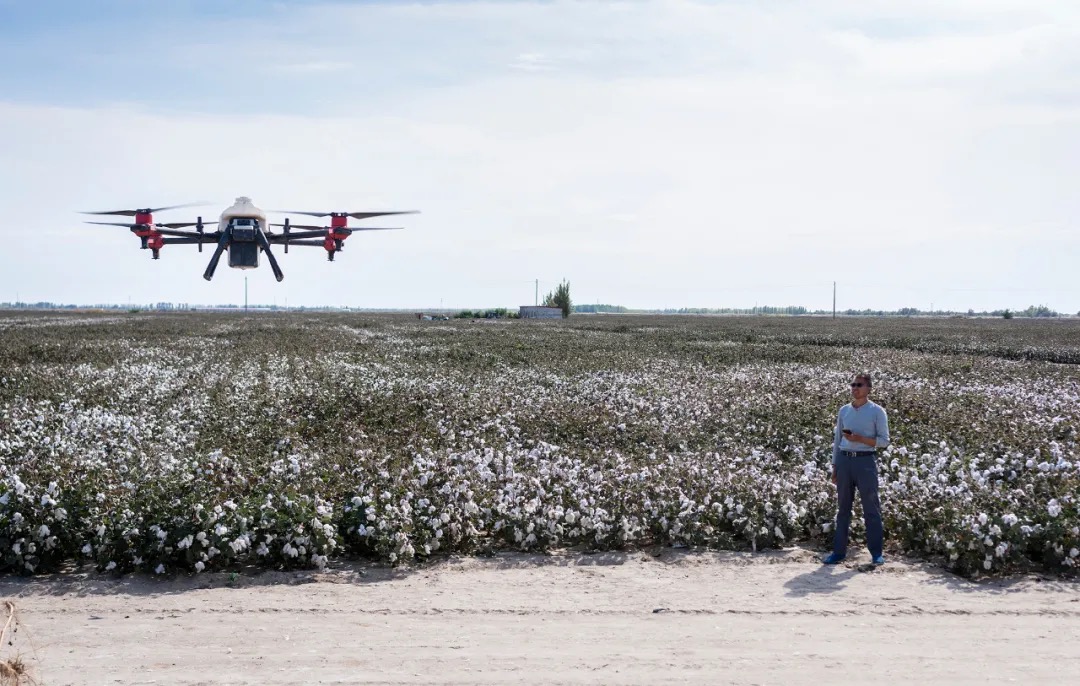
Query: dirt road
[(776, 618)]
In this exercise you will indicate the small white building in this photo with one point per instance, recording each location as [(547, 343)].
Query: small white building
[(540, 312)]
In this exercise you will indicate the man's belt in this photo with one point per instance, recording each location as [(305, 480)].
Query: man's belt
[(857, 453)]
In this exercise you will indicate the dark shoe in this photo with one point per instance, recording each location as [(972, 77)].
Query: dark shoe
[(833, 559), (879, 560)]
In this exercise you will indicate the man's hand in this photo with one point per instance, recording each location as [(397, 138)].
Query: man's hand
[(834, 476), (856, 438)]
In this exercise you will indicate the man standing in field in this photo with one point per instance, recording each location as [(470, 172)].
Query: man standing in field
[(862, 427)]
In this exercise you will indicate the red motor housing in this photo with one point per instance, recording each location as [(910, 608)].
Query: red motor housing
[(338, 232), (145, 222)]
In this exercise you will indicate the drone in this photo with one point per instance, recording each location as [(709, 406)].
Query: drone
[(244, 231)]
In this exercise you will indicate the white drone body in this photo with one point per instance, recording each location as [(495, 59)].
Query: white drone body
[(242, 208)]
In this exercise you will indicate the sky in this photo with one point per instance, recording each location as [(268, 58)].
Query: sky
[(653, 154)]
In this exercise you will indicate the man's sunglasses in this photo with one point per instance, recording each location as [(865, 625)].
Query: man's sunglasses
[(858, 385)]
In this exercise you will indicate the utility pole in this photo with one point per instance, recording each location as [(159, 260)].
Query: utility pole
[(536, 297), (245, 294), (834, 300)]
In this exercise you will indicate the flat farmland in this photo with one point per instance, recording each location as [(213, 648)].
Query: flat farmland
[(296, 498)]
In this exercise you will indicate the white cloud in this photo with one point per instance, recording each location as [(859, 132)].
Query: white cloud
[(732, 153)]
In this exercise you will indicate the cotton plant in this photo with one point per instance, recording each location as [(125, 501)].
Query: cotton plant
[(190, 443)]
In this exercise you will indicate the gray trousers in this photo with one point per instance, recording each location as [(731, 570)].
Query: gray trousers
[(858, 473)]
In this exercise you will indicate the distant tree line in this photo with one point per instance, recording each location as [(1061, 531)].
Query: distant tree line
[(560, 298)]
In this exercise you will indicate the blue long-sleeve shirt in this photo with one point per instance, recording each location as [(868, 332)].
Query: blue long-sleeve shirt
[(870, 420)]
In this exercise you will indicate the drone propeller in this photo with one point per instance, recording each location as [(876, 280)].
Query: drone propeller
[(180, 225), (123, 224), (169, 225), (147, 210), (354, 215), (312, 227), (169, 229)]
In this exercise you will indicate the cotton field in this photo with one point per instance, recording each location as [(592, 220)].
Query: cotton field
[(185, 443)]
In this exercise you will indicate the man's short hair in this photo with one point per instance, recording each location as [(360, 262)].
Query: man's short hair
[(865, 377)]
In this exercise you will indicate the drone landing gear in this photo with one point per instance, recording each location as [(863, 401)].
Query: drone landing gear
[(157, 253)]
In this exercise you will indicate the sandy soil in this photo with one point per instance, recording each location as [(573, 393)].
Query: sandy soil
[(637, 618)]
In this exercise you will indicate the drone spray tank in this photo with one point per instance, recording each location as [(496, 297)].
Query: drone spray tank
[(242, 229)]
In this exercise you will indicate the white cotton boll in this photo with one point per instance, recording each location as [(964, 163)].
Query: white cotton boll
[(160, 569), (987, 564), (982, 518), (199, 566), (1053, 508), (111, 566), (43, 532), (87, 549), (101, 530)]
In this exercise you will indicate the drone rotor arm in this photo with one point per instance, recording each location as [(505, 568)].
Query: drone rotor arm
[(308, 242), (280, 237)]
